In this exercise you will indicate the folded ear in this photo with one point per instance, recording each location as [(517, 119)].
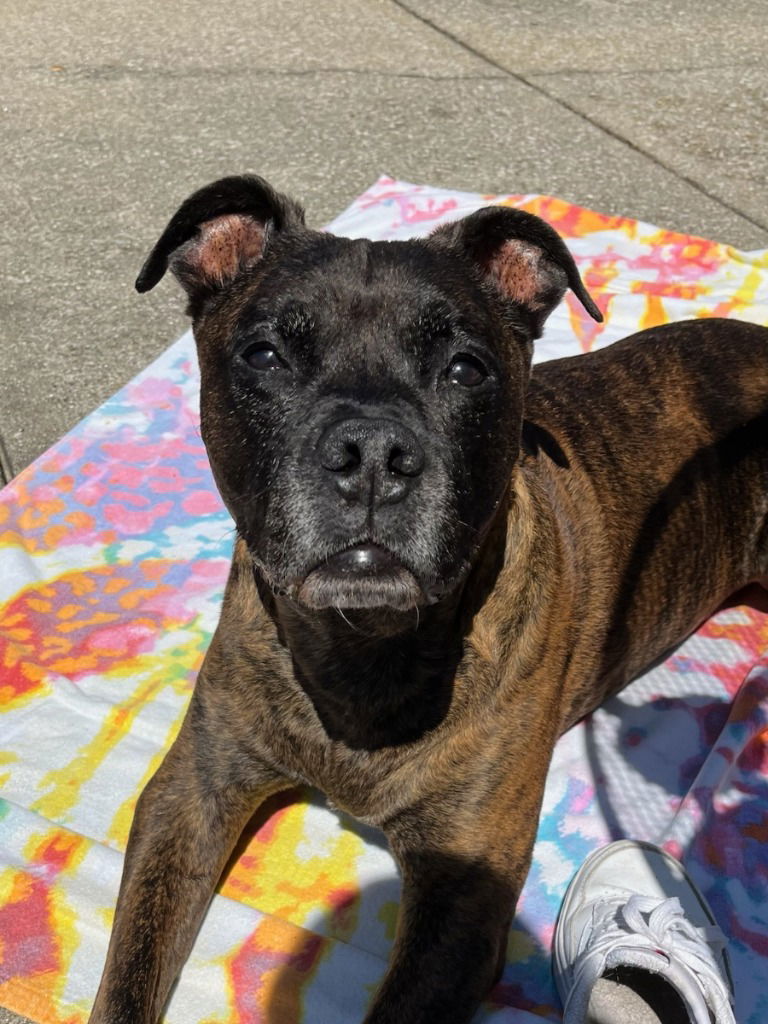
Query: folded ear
[(217, 233), (522, 257)]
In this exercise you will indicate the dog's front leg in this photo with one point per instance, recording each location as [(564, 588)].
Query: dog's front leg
[(187, 822), (459, 895)]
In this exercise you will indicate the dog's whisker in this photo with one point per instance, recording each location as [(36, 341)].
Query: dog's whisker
[(344, 617)]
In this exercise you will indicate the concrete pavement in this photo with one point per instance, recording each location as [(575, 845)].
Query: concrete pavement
[(112, 113)]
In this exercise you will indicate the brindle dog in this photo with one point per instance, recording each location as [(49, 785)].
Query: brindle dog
[(443, 561)]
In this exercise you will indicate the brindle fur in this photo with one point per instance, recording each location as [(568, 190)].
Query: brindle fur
[(638, 502)]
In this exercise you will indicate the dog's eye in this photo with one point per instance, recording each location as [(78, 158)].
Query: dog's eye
[(466, 371), (263, 357)]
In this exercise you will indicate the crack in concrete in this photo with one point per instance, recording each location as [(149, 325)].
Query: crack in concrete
[(606, 129), (737, 65), (117, 71), (6, 466)]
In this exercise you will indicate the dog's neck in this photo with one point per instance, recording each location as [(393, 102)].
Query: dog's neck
[(381, 678), (374, 679)]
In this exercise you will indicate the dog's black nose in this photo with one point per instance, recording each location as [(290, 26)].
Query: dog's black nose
[(374, 461)]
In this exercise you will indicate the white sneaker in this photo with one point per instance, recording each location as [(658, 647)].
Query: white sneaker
[(636, 943)]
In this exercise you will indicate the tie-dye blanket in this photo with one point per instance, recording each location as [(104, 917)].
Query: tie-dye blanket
[(113, 553)]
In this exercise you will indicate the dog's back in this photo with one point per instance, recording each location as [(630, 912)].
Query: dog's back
[(670, 430)]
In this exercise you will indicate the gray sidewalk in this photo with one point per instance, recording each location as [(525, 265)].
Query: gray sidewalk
[(112, 113)]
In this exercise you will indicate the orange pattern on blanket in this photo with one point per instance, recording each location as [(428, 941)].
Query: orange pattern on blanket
[(268, 974), (95, 621), (748, 635), (37, 936), (279, 873)]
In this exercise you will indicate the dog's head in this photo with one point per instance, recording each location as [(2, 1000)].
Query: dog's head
[(362, 402)]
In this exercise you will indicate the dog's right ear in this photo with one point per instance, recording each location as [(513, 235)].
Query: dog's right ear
[(216, 234)]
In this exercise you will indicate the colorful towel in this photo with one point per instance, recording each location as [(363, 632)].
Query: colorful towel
[(113, 552)]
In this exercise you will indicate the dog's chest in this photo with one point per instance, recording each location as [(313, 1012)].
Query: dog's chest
[(372, 786), (369, 781)]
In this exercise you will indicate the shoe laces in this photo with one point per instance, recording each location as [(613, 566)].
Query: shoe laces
[(661, 927)]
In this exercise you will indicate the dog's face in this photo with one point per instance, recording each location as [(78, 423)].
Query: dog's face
[(362, 401), (366, 419)]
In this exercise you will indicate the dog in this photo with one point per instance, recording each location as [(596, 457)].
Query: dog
[(443, 560)]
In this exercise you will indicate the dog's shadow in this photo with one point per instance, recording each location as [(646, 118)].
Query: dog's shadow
[(662, 770), (657, 746), (340, 953)]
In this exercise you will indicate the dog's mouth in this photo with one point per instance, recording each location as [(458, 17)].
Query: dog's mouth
[(362, 576)]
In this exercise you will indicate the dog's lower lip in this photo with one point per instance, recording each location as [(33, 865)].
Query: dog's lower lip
[(362, 576), (362, 560)]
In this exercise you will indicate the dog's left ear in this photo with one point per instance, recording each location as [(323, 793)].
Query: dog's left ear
[(521, 256)]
